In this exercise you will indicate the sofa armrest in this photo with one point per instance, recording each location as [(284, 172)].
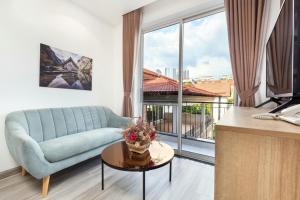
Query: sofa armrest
[(116, 121), (25, 150)]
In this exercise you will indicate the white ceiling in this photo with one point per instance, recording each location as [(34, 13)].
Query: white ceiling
[(111, 11)]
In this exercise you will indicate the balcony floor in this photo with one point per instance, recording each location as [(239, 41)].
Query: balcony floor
[(194, 148)]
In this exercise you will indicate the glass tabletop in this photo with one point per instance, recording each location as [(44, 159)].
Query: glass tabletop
[(118, 156)]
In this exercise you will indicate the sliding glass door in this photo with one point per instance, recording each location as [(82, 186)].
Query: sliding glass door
[(187, 82), (160, 81), (206, 72)]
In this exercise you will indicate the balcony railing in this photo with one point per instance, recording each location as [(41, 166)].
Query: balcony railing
[(198, 118)]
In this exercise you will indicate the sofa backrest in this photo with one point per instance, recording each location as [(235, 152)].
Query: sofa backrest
[(45, 124)]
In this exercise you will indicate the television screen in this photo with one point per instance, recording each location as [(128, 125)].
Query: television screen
[(279, 70), (296, 68)]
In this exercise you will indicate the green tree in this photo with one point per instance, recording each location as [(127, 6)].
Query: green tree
[(196, 108)]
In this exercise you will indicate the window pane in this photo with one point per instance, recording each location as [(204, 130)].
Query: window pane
[(161, 57), (207, 72), (160, 84), (206, 50)]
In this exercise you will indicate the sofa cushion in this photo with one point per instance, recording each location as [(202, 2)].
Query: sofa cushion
[(67, 146)]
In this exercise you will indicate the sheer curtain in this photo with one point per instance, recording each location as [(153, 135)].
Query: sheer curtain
[(137, 93)]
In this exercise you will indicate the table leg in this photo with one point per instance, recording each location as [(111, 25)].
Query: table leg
[(144, 177), (102, 174), (170, 175)]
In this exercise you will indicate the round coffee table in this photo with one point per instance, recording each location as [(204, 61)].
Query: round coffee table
[(118, 156)]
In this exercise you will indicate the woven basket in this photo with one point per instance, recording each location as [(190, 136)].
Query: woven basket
[(137, 148)]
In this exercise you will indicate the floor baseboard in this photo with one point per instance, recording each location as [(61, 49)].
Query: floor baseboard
[(16, 170), (10, 172)]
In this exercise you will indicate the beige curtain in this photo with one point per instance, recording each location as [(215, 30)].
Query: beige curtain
[(246, 31), (131, 30), (279, 52)]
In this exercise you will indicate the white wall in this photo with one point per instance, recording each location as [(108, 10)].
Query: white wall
[(26, 24), (118, 63)]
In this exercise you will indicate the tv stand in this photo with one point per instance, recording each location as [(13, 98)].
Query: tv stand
[(292, 101), (272, 99)]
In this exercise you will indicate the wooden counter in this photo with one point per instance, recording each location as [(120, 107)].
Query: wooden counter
[(256, 159)]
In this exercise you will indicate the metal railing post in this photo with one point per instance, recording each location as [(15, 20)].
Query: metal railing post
[(219, 111), (203, 120)]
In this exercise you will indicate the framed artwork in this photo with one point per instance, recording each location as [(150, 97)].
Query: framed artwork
[(63, 69)]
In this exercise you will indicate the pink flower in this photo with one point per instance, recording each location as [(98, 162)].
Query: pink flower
[(152, 135), (133, 136)]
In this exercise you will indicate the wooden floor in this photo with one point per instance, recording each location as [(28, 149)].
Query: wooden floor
[(191, 180)]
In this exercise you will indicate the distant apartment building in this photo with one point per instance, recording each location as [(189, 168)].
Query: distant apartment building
[(174, 74), (186, 74)]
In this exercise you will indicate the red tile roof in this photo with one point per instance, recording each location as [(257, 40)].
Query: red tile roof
[(221, 87), (154, 82)]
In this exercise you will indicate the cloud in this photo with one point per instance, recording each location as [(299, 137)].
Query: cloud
[(161, 48), (205, 37), (215, 67), (206, 50)]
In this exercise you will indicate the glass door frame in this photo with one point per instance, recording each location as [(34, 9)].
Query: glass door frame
[(180, 22)]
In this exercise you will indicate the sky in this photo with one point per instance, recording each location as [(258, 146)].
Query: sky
[(206, 50)]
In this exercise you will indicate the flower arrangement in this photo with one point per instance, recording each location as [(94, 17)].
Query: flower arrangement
[(139, 136)]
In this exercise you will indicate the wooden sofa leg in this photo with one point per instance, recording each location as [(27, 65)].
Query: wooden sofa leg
[(45, 186), (23, 172)]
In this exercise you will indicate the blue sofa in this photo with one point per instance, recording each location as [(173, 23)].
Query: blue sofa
[(46, 141)]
